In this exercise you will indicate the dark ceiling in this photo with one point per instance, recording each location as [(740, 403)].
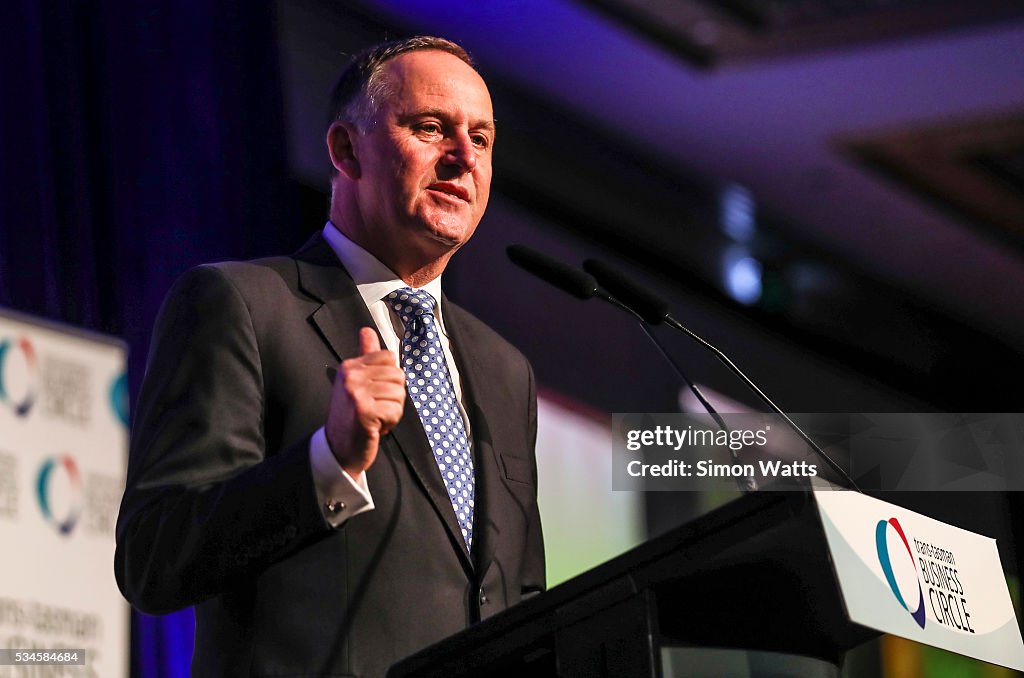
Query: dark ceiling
[(875, 148), (774, 125), (714, 32)]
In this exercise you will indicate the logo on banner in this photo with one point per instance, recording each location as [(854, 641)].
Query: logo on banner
[(119, 398), (882, 531), (19, 374), (59, 492)]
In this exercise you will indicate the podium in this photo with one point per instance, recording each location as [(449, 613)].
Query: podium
[(755, 574)]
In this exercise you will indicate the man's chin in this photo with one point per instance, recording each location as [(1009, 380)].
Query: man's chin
[(447, 241), (449, 234)]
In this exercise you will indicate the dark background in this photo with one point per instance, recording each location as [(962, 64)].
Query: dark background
[(139, 139)]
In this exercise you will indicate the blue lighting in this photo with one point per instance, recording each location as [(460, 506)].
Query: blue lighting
[(737, 213), (743, 275)]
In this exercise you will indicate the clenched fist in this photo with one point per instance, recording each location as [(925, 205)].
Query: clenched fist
[(367, 401)]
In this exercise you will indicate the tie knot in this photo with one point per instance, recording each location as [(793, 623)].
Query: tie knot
[(412, 304)]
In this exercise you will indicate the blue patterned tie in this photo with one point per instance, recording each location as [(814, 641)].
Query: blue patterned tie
[(430, 388)]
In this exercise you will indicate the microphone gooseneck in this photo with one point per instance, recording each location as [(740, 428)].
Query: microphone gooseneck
[(583, 286), (633, 294)]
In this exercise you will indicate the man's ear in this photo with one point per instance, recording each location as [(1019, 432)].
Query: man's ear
[(343, 153)]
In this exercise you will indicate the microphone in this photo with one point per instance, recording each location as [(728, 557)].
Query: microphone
[(651, 308), (640, 297), (583, 286), (566, 278)]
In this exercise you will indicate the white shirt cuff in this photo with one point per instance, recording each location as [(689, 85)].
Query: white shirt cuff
[(339, 495)]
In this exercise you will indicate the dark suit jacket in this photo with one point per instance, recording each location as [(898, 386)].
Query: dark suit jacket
[(220, 509)]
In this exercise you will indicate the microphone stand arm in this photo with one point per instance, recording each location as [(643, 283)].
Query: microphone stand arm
[(675, 324)]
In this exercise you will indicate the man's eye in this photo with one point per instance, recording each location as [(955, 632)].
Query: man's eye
[(429, 128), (481, 140)]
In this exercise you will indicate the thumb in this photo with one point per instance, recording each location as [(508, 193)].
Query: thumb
[(368, 341)]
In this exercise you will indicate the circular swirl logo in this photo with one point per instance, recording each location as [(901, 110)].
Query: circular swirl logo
[(19, 374), (882, 531), (119, 398), (59, 492)]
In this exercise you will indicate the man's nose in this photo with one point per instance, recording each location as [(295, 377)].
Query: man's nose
[(460, 152)]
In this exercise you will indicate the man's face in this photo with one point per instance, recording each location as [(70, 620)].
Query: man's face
[(425, 158)]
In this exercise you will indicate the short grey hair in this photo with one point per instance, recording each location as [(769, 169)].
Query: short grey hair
[(360, 89)]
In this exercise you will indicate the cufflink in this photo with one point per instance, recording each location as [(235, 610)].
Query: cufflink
[(334, 507)]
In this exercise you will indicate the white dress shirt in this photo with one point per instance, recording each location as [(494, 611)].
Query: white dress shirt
[(342, 496)]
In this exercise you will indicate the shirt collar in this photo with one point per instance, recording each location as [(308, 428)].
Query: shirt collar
[(373, 279)]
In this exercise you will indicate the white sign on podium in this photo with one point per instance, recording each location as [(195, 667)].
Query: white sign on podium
[(906, 574)]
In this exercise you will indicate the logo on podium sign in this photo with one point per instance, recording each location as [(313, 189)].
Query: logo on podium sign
[(883, 530)]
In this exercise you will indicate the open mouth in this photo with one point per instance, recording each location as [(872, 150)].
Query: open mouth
[(450, 190)]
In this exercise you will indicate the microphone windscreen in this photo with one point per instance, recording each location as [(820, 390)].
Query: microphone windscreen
[(566, 278), (650, 306)]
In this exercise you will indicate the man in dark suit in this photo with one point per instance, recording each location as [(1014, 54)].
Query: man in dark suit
[(281, 478)]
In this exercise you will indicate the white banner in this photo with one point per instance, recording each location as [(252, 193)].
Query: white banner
[(909, 575), (63, 449)]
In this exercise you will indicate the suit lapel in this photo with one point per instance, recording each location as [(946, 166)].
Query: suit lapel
[(412, 441), (479, 398), (337, 320), (342, 312)]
